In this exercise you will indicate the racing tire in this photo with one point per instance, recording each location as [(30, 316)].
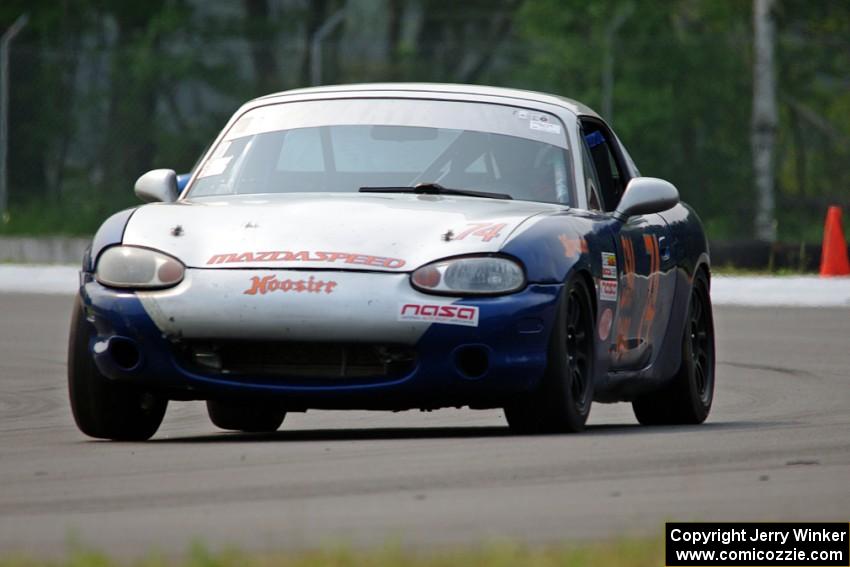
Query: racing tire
[(562, 403), (688, 397), (248, 417), (104, 408)]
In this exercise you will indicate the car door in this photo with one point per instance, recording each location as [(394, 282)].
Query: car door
[(641, 314), (645, 274)]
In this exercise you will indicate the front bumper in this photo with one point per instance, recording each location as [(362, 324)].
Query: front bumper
[(511, 335)]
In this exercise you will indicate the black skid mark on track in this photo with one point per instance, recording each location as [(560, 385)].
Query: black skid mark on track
[(767, 368)]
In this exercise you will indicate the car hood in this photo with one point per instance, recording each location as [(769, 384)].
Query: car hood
[(390, 232)]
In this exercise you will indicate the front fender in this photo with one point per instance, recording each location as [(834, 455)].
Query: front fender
[(558, 245), (111, 232)]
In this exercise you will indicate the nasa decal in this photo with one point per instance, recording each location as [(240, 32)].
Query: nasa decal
[(465, 315)]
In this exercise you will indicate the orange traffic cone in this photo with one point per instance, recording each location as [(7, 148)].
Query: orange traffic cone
[(833, 260)]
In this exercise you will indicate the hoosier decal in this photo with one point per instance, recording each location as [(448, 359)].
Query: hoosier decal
[(305, 256), (268, 284), (449, 314)]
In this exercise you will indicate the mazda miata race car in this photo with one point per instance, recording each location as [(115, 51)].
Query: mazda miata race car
[(393, 247)]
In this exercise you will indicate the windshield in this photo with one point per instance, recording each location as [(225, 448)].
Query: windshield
[(343, 145)]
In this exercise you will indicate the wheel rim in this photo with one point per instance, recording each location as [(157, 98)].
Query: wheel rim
[(579, 348), (701, 344)]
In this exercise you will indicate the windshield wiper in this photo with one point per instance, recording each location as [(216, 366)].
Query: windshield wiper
[(434, 189)]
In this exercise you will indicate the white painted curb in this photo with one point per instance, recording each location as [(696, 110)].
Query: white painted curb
[(39, 279), (780, 291)]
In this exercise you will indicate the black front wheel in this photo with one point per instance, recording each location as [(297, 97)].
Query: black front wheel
[(562, 403), (104, 408), (688, 397)]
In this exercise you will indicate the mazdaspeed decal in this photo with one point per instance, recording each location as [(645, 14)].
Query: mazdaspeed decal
[(268, 284), (608, 290), (439, 313), (609, 266), (305, 256)]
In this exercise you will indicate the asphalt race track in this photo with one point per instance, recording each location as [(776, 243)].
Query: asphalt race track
[(776, 447)]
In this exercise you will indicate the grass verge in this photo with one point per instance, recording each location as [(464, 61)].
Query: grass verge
[(729, 270), (619, 553)]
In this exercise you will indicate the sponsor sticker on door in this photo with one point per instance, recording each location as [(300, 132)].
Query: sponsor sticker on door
[(609, 266), (465, 315), (608, 290)]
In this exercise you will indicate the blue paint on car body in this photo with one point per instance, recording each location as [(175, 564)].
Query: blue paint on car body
[(110, 233), (517, 358)]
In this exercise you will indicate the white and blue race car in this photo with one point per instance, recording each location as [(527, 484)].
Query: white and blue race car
[(391, 247)]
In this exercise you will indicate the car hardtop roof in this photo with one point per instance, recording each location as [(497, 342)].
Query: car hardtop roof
[(513, 95)]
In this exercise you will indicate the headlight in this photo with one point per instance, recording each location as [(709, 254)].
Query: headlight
[(132, 267), (484, 275)]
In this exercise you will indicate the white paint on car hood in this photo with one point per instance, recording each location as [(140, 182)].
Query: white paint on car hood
[(411, 228)]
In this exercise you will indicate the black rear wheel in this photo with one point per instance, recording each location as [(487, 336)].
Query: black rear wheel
[(250, 417), (101, 407), (562, 403), (688, 397)]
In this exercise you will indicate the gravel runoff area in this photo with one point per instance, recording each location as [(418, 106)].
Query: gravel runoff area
[(755, 291)]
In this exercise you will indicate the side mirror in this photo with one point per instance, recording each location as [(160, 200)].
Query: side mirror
[(157, 185), (646, 195)]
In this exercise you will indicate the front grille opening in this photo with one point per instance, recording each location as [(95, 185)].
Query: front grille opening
[(307, 360)]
